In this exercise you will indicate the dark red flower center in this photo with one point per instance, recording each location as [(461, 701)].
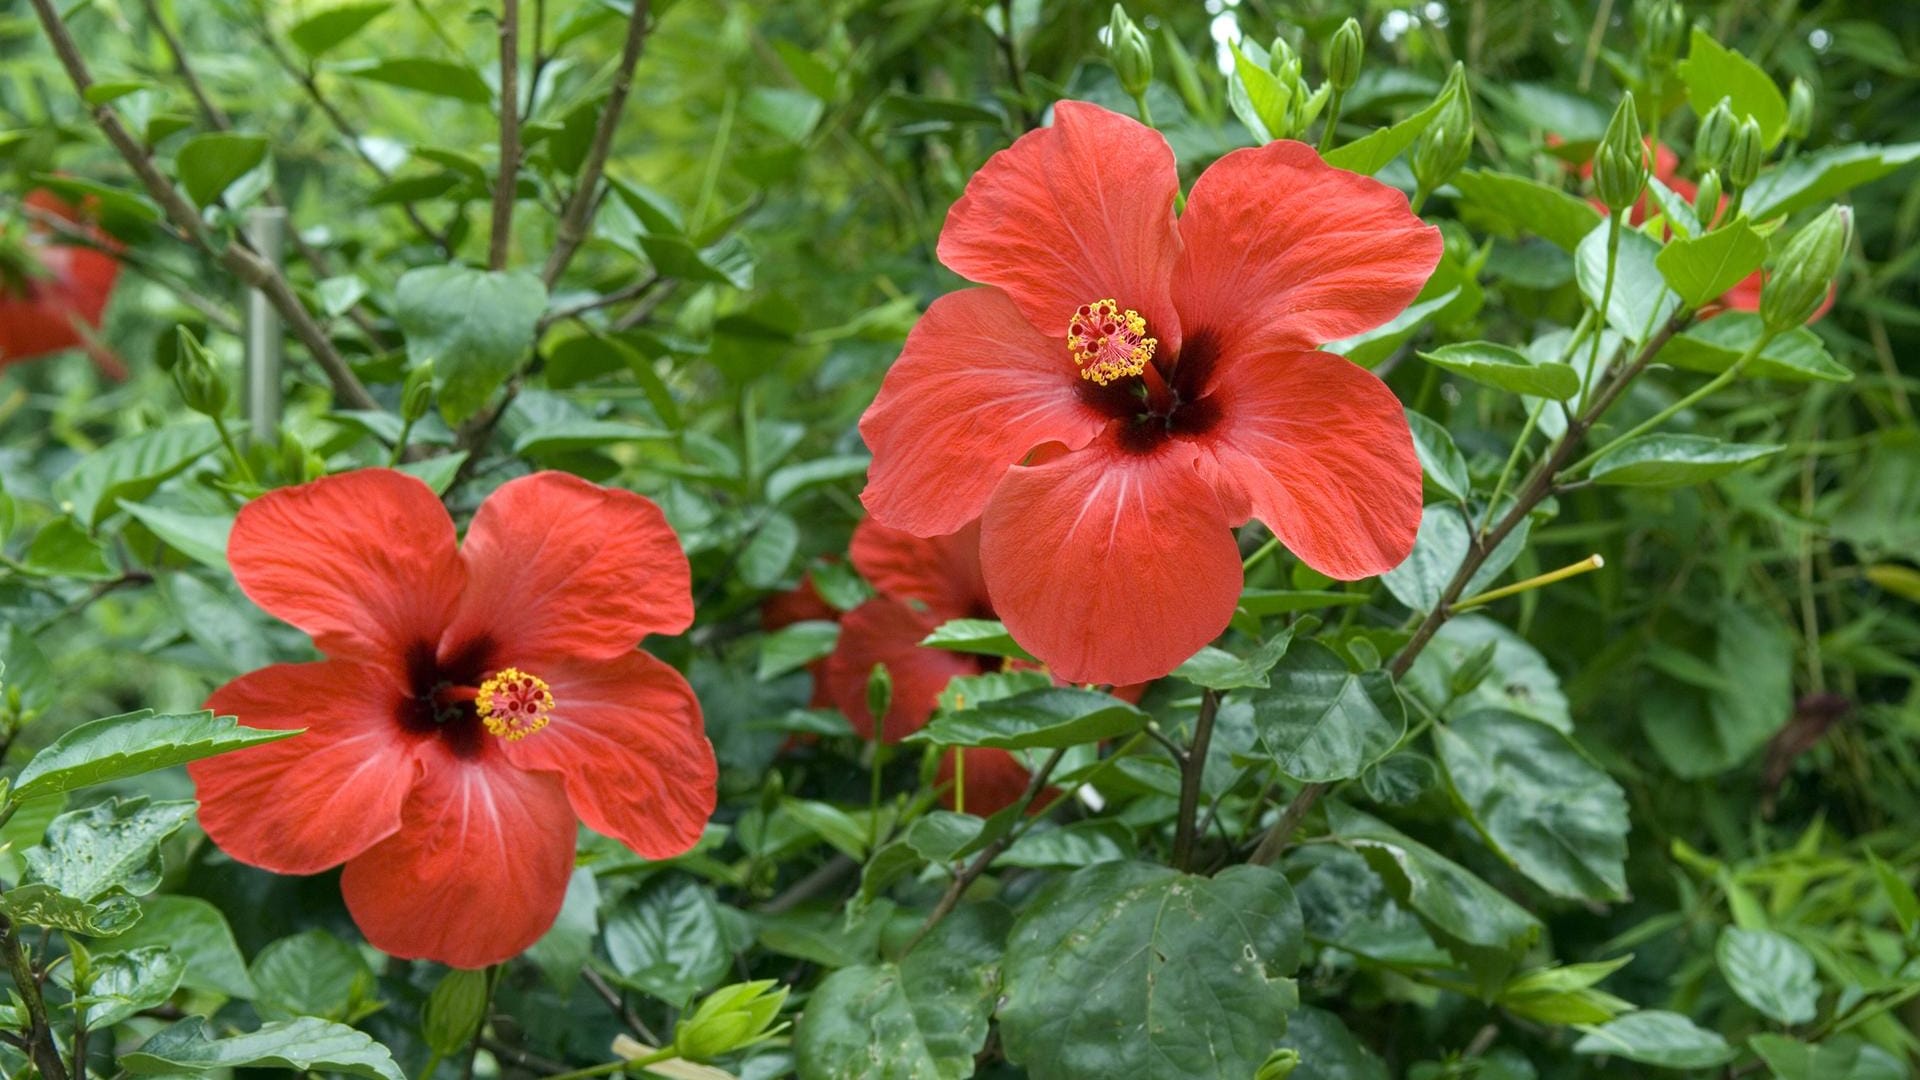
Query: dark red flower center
[(465, 697), (1154, 398)]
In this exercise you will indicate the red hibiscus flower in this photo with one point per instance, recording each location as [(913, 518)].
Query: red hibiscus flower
[(474, 700), (1127, 388), (55, 293)]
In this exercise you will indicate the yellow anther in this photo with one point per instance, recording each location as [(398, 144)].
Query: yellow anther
[(514, 704), (1108, 343)]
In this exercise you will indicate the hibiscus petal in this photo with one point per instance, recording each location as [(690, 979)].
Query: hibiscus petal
[(364, 562), (1110, 565), (478, 869), (1281, 249), (302, 805), (941, 572), (884, 631), (1071, 214), (560, 568), (974, 391), (1317, 448), (626, 736)]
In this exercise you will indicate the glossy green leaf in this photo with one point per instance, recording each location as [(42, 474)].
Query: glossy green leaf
[(327, 28), (1322, 722), (475, 326), (130, 468), (1674, 460), (1504, 368), (1716, 344), (122, 746), (1641, 302), (1440, 460), (441, 78), (1050, 718), (304, 1044), (112, 846), (1712, 71), (1653, 1037), (1843, 1057), (1701, 269), (39, 904), (986, 637), (1769, 971), (1524, 205), (1812, 178), (1440, 550), (124, 983), (196, 932), (313, 973), (209, 164), (1218, 669)]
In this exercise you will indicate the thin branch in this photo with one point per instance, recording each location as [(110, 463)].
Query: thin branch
[(619, 296), (503, 188), (968, 875), (1191, 772), (76, 236), (238, 260), (40, 1045), (578, 215)]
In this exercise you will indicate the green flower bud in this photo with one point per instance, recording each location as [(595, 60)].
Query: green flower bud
[(1444, 146), (1620, 164), (1281, 57), (293, 458), (879, 694), (1344, 53), (200, 381), (1715, 136), (1662, 27), (1706, 203), (1745, 154), (1129, 52), (416, 395), (1279, 1065), (731, 1018), (1805, 270), (1799, 110), (454, 1011)]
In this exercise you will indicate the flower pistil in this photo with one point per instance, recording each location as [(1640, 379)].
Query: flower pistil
[(513, 704), (1109, 343)]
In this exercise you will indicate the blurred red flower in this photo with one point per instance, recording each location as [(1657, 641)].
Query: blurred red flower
[(474, 700), (53, 293), (1127, 387)]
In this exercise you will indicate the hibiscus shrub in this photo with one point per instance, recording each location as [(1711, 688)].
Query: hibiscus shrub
[(925, 539)]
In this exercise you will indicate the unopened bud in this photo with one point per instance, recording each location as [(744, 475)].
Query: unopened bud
[(1662, 28), (454, 1010), (1129, 52), (1706, 202), (1745, 154), (731, 1018), (879, 695), (1279, 1065), (1344, 53), (1805, 270), (1444, 146), (416, 396), (1620, 164), (1715, 136), (203, 387), (1281, 56), (1799, 110)]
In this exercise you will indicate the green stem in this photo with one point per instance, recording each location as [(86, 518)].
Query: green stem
[(610, 1067), (1140, 106), (233, 450), (400, 444), (1591, 562), (1333, 117), (1716, 383), (1259, 554), (1513, 460), (1606, 299)]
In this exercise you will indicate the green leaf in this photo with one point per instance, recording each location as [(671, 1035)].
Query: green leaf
[(1713, 346), (1900, 894), (1674, 460), (1440, 550), (1537, 799), (132, 467), (1055, 717), (1070, 846), (789, 480), (1712, 71), (1524, 205), (200, 537), (122, 746), (1641, 302), (1372, 152), (437, 472), (1472, 919), (63, 549), (1440, 460), (1372, 346), (1811, 179), (112, 846), (1137, 970), (1843, 1057), (673, 939), (1322, 722), (924, 1017), (985, 637), (198, 934), (1328, 1051), (791, 648), (313, 973), (1347, 906), (1703, 268), (1565, 993), (301, 1045), (1218, 669), (209, 164), (440, 78), (549, 439), (1517, 681), (40, 904), (1701, 729), (1504, 368), (1653, 1037), (124, 983), (1771, 972), (1264, 602), (765, 559), (476, 327), (319, 33)]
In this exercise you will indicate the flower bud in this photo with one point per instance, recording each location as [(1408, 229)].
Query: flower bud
[(1706, 203), (1799, 110), (1711, 141), (1745, 154), (1662, 28), (1805, 270), (1281, 57), (731, 1018), (1620, 163), (203, 387), (1444, 146), (1129, 52), (454, 1010), (879, 695), (416, 395), (1279, 1065), (1344, 53)]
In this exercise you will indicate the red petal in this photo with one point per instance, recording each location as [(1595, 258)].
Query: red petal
[(478, 869), (1283, 250), (800, 604), (1071, 214), (995, 780), (1320, 451), (560, 568), (1111, 566), (942, 572), (626, 736), (314, 801), (883, 631), (364, 562), (974, 391)]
